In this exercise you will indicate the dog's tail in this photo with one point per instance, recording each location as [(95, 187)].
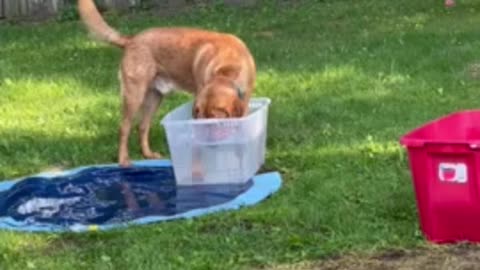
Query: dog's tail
[(97, 26)]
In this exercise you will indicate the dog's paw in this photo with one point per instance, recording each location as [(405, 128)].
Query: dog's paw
[(152, 155), (124, 163), (197, 172), (197, 175)]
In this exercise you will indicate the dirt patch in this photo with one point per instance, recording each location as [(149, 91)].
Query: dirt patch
[(473, 71), (265, 34), (460, 257)]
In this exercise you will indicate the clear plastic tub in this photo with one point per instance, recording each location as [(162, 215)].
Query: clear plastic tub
[(217, 151)]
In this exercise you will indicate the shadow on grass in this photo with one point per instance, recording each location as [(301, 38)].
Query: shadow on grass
[(25, 152)]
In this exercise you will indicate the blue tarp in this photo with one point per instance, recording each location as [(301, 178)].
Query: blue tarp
[(106, 197)]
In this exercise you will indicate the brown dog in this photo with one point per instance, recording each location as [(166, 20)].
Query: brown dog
[(216, 68)]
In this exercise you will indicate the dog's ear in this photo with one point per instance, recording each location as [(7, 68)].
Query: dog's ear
[(197, 111), (229, 71), (240, 108)]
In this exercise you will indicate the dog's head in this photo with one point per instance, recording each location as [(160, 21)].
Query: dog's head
[(220, 99)]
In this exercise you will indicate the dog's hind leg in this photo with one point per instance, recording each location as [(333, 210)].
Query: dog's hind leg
[(150, 105), (135, 79)]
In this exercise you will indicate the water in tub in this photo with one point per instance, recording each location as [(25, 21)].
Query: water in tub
[(225, 162)]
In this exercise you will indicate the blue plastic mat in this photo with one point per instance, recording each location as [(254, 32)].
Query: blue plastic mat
[(107, 197)]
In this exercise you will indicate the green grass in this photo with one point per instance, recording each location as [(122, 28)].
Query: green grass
[(347, 79)]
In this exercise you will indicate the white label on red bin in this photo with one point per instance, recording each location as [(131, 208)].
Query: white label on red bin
[(453, 172)]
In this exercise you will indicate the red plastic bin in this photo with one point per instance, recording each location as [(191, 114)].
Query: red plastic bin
[(444, 158)]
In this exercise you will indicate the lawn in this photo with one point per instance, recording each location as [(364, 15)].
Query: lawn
[(347, 78)]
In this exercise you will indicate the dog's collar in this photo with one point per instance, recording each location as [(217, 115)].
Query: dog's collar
[(239, 90)]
